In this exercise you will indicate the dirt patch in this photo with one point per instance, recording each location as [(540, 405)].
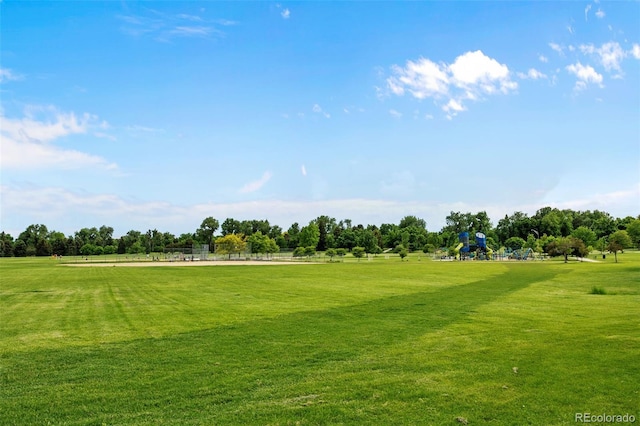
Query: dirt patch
[(199, 263)]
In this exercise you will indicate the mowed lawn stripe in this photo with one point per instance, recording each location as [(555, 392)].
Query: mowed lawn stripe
[(98, 305), (239, 372)]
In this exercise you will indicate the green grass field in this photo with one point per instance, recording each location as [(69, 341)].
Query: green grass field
[(383, 342)]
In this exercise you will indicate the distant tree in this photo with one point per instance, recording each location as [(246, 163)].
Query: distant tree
[(341, 252), (293, 235), (33, 234), (409, 221), (565, 246), (136, 248), (43, 248), (403, 253), (87, 249), (230, 244), (618, 241), (310, 251), (347, 239), (325, 225), (230, 226), (309, 235), (298, 252), (262, 243), (6, 245), (106, 235), (331, 252), (585, 234), (58, 243), (358, 252), (272, 247), (633, 230), (515, 243)]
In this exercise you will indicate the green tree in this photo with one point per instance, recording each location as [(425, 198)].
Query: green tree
[(515, 243), (293, 235), (633, 229), (204, 234), (20, 248), (618, 241), (358, 252), (325, 225), (331, 252), (230, 244), (310, 251), (403, 253), (585, 234), (6, 245), (565, 246), (230, 226), (309, 235)]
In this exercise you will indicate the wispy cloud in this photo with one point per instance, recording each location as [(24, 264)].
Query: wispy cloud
[(303, 170), (255, 185), (471, 77), (557, 48), (28, 142), (318, 110), (286, 13), (395, 113), (53, 205), (7, 75), (532, 74), (600, 13), (165, 27)]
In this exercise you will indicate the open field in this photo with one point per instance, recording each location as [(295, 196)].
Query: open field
[(381, 342)]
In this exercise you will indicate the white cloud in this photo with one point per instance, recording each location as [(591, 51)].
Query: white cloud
[(318, 110), (570, 29), (600, 13), (286, 14), (255, 185), (635, 51), (423, 79), (453, 106), (543, 58), (395, 113), (53, 206), (28, 142), (165, 27), (192, 31), (609, 54), (585, 75), (557, 48), (586, 12), (303, 170), (7, 75), (532, 74), (471, 76)]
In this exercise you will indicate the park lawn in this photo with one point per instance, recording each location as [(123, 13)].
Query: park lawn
[(384, 342)]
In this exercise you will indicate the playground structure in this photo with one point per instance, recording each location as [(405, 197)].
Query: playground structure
[(479, 250)]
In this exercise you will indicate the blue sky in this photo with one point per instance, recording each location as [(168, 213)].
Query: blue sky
[(143, 115)]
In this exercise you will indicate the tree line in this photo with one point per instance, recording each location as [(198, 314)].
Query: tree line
[(557, 232)]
